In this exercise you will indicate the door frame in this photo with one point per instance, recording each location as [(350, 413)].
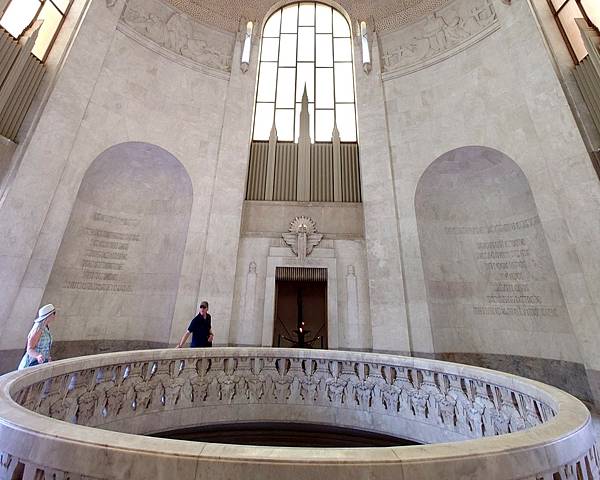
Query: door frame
[(320, 258)]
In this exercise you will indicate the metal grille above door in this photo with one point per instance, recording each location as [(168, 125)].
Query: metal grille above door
[(299, 274)]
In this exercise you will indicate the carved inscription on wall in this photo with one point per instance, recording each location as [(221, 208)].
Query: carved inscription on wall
[(104, 264), (490, 278), (438, 36), (506, 261), (179, 34)]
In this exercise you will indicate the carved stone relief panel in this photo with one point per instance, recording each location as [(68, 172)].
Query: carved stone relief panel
[(96, 397), (302, 237), (179, 34), (437, 36), (386, 14)]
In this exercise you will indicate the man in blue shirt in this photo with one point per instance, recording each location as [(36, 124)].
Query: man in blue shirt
[(200, 328)]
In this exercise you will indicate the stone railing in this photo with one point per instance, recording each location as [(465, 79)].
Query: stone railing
[(500, 426)]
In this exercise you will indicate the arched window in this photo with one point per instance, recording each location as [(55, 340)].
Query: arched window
[(308, 46), (21, 13)]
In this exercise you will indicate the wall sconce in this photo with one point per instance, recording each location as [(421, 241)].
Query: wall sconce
[(247, 47), (364, 41)]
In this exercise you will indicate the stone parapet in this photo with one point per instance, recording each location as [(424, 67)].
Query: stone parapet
[(477, 423)]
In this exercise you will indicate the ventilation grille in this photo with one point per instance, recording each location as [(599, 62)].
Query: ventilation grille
[(298, 274)]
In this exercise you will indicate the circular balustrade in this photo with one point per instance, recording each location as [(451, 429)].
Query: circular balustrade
[(86, 417)]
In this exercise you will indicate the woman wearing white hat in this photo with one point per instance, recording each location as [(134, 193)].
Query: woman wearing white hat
[(39, 340)]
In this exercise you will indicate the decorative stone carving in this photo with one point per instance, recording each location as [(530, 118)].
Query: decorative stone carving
[(440, 35), (375, 391), (178, 33), (302, 237), (386, 14), (472, 407)]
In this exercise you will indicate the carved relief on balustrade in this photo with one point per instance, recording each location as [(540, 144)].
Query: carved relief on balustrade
[(438, 36), (98, 396), (177, 36)]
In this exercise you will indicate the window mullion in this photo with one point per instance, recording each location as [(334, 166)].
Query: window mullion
[(296, 73), (561, 7), (333, 65), (277, 72), (315, 70)]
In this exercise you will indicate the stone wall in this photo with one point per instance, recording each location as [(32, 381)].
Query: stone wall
[(341, 251), (114, 87), (117, 271), (500, 92), (473, 73)]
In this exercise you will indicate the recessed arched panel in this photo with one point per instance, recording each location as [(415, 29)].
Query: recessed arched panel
[(490, 279), (116, 276)]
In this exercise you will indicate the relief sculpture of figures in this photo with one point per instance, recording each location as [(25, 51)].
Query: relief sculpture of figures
[(440, 32), (177, 33)]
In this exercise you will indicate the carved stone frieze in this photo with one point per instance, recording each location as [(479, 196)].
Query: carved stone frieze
[(473, 408), (178, 34), (375, 390), (386, 14), (439, 35)]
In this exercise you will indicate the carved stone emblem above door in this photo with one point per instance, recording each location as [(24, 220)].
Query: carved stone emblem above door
[(302, 236)]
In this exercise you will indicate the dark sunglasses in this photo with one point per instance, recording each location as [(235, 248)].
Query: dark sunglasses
[(202, 306)]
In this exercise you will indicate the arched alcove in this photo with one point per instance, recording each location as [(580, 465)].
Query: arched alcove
[(491, 283), (116, 275)]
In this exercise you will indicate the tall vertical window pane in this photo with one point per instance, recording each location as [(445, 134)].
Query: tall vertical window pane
[(285, 87), (287, 50), (19, 15), (284, 122), (324, 92), (344, 88), (567, 17), (272, 26), (305, 76), (289, 19), (306, 14), (323, 18), (267, 82), (340, 25), (306, 44), (270, 50), (263, 120), (324, 50), (323, 125), (345, 119), (343, 49), (51, 17)]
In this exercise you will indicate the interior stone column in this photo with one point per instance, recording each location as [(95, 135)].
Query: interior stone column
[(386, 286), (223, 230), (26, 202)]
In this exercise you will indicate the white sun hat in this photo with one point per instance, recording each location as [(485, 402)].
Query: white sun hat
[(45, 312)]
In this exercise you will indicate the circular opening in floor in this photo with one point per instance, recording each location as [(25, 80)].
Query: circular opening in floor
[(285, 435)]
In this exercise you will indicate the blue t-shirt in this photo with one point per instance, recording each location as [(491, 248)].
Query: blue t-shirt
[(200, 329)]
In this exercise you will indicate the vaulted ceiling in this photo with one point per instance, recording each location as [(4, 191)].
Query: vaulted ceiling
[(385, 14)]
